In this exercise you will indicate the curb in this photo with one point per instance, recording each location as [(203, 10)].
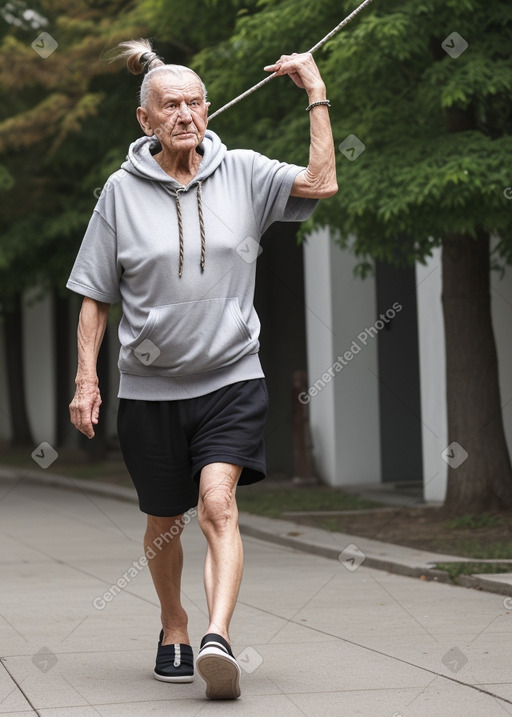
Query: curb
[(378, 555), (333, 553), (106, 490), (287, 534)]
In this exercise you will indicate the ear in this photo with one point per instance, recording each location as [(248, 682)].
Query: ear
[(143, 118)]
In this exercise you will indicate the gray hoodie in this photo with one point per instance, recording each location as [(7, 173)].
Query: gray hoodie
[(185, 336)]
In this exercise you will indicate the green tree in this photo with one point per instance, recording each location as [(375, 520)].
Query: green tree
[(62, 131), (436, 121), (187, 28)]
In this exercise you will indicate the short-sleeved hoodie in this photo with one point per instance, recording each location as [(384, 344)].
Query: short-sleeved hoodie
[(185, 336)]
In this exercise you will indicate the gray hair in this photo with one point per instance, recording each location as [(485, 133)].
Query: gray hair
[(176, 70), (141, 58)]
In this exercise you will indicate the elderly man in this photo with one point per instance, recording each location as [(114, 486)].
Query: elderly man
[(167, 238)]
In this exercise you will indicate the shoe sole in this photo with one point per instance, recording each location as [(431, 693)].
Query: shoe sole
[(220, 672), (180, 678)]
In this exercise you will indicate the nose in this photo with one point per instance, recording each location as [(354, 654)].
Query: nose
[(184, 112)]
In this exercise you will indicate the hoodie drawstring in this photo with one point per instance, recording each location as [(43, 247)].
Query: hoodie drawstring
[(180, 230), (201, 228), (201, 225)]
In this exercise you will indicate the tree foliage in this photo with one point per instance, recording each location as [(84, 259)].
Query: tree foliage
[(62, 131), (436, 129)]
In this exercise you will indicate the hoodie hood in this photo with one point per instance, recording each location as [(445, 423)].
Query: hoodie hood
[(141, 163)]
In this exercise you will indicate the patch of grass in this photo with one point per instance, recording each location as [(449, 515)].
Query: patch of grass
[(16, 457), (71, 462), (332, 524), (109, 471), (478, 549), (454, 570), (485, 520), (273, 502)]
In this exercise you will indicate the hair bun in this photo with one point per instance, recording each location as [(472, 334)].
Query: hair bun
[(140, 56), (150, 60)]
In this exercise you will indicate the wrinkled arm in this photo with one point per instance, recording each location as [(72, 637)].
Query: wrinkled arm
[(318, 181), (85, 407)]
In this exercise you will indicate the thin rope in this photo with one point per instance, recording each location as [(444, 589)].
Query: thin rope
[(313, 49)]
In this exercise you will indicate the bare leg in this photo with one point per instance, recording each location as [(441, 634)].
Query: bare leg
[(165, 559), (218, 518)]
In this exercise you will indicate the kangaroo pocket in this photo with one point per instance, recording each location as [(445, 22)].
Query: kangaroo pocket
[(189, 337)]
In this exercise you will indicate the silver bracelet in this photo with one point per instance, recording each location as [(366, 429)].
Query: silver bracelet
[(315, 104)]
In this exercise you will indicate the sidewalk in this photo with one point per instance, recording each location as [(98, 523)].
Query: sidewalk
[(314, 635)]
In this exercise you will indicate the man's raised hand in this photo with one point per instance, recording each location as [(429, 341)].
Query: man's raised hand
[(302, 69)]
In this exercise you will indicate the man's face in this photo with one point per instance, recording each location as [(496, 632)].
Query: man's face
[(176, 113)]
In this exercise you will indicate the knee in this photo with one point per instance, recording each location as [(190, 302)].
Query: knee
[(217, 508)]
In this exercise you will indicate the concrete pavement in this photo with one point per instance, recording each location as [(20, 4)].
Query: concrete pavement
[(314, 636)]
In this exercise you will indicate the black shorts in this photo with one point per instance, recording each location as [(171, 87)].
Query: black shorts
[(165, 444)]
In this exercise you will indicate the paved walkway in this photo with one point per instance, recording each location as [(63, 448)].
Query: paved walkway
[(314, 636)]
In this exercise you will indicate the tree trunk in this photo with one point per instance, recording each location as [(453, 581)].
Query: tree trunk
[(13, 339), (303, 463), (483, 480)]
